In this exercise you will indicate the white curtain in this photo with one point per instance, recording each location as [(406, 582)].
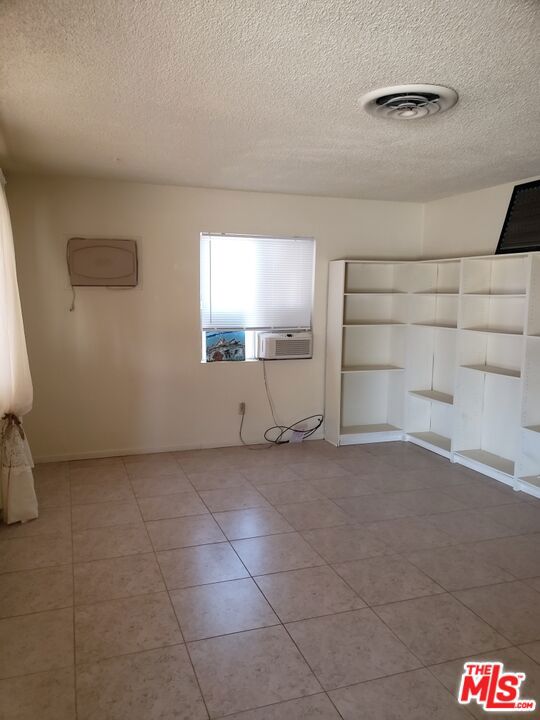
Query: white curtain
[(17, 496)]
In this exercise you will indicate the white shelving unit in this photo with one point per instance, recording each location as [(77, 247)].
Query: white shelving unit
[(441, 353)]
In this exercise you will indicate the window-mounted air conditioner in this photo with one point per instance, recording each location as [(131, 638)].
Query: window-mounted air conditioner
[(284, 345)]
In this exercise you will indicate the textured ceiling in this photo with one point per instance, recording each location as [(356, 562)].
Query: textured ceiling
[(264, 94)]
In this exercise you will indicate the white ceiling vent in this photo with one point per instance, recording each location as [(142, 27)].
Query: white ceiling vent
[(409, 102)]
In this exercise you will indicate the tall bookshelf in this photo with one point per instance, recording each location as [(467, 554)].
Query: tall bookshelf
[(441, 353)]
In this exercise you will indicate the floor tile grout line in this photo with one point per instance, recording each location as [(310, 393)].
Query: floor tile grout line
[(175, 615), (73, 591)]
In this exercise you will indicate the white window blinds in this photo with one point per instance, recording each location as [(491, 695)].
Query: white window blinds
[(256, 283)]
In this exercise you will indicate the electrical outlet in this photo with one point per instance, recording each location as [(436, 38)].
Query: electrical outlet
[(242, 408)]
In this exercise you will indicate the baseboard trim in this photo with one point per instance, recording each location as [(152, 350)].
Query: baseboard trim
[(95, 455)]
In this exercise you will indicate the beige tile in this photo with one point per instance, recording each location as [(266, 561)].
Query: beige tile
[(51, 521), (200, 565), (534, 583), (249, 669), (35, 643), (415, 694), (314, 514), (52, 492), (468, 526), (269, 475), (532, 650), (314, 707), (218, 479), (148, 458), (456, 568), (118, 627), (371, 508), (289, 492), (276, 553), (522, 518), (161, 485), (307, 593), (253, 522), (51, 471), (479, 494), (96, 462), (221, 608), (520, 556), (340, 487), (512, 608), (318, 469), (350, 647), (151, 466), (202, 464), (100, 491), (446, 475), (170, 506), (386, 579), (99, 543), (408, 534), (104, 472), (389, 480), (260, 456), (184, 532), (414, 459), (364, 465), (34, 552), (339, 544), (152, 684), (43, 696), (449, 674), (116, 578), (426, 502), (96, 515), (439, 628), (33, 591), (233, 499)]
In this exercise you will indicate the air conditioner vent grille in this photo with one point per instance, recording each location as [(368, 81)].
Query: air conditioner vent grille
[(292, 347)]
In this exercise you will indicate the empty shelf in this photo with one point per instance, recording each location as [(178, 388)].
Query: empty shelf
[(486, 458), (444, 326), (375, 292), (496, 294), (435, 293), (362, 429), (370, 368), (431, 438), (531, 480), (497, 331), (372, 323), (494, 370), (433, 396)]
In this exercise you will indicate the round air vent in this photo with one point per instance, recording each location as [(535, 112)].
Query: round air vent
[(409, 102)]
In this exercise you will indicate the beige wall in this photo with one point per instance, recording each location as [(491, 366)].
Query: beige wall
[(122, 373), (468, 224)]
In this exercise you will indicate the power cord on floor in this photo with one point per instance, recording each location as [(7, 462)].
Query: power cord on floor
[(280, 439)]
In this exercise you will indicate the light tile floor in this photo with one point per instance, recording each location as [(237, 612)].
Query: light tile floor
[(293, 583)]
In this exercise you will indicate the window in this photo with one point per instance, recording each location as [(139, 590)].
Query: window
[(256, 283)]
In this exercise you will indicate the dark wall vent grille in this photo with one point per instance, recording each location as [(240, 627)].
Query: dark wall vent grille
[(521, 229)]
